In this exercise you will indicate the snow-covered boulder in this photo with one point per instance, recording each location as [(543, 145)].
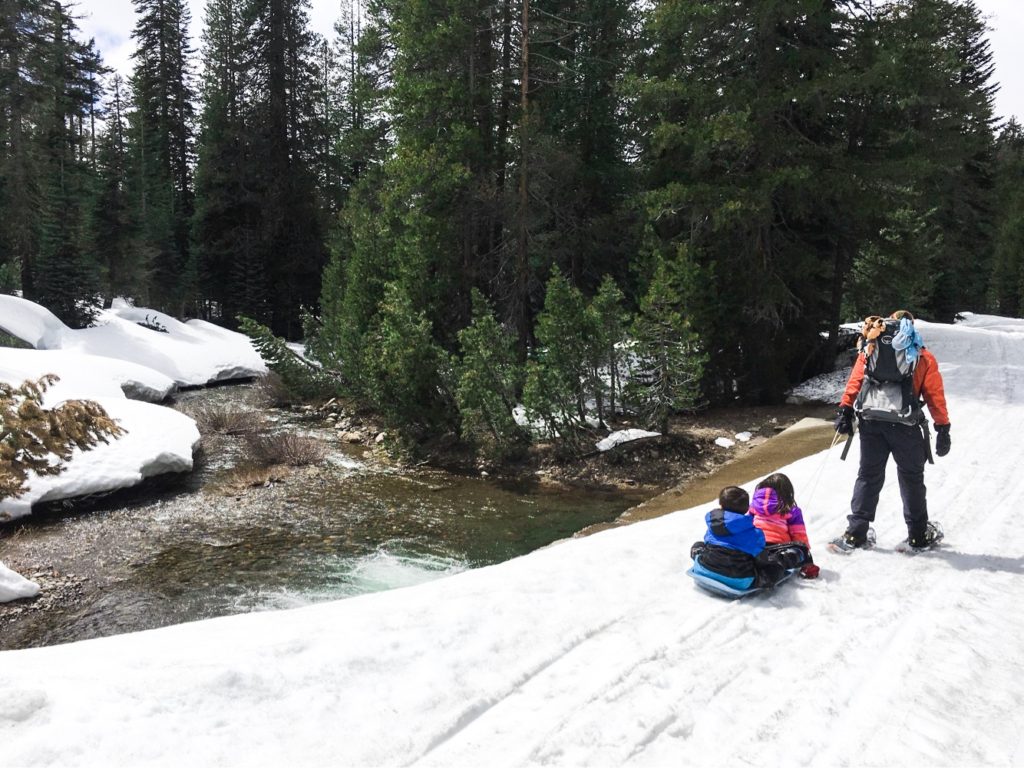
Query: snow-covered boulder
[(191, 354), (33, 324), (156, 440), (84, 376), (13, 586), (624, 436)]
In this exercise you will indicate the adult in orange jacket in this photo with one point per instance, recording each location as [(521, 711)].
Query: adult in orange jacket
[(906, 442)]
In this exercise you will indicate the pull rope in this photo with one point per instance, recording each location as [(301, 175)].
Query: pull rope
[(821, 470)]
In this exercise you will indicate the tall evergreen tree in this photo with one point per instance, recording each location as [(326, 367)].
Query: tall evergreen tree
[(281, 90), (924, 125), (23, 79), (64, 278), (575, 163), (112, 238), (736, 105), (1007, 282), (226, 232), (161, 141)]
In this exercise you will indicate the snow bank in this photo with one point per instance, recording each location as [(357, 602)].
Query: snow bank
[(84, 376), (98, 364), (191, 354), (157, 440), (15, 587), (991, 322)]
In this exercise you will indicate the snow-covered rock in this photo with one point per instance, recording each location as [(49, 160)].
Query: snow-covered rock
[(156, 440), (13, 586), (624, 436), (724, 442), (84, 376), (191, 354)]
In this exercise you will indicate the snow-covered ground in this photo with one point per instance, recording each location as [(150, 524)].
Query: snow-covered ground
[(600, 651)]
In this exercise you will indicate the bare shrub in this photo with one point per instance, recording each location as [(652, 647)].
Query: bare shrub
[(284, 448), (227, 421), (247, 476)]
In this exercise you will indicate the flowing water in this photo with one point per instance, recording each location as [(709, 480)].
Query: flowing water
[(183, 549)]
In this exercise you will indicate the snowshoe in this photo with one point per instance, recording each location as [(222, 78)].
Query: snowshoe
[(847, 543), (932, 536)]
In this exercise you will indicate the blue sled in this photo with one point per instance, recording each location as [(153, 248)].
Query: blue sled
[(713, 585)]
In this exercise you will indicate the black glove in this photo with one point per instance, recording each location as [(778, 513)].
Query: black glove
[(941, 439), (844, 420)]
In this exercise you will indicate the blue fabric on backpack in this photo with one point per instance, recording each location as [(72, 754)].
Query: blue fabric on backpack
[(909, 339), (743, 534)]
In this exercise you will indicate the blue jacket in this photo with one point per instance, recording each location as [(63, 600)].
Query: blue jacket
[(734, 531)]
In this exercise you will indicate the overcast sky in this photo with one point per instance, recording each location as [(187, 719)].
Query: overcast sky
[(111, 21)]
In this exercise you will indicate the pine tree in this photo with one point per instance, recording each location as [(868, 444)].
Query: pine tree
[(607, 320), (112, 239), (281, 87), (488, 377), (667, 362), (302, 381), (928, 121), (575, 165), (558, 374), (738, 107), (955, 117), (23, 73), (225, 227), (64, 278), (1007, 281), (406, 374), (161, 147)]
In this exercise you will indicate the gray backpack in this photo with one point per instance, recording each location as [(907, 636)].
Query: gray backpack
[(887, 393)]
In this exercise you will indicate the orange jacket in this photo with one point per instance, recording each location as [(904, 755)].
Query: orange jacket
[(927, 385)]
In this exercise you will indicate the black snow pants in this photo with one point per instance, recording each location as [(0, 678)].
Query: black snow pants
[(879, 439)]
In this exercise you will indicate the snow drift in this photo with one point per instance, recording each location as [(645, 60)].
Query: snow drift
[(190, 354)]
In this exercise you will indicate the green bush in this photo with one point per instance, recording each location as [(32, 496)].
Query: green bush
[(303, 380), (405, 374), (488, 377)]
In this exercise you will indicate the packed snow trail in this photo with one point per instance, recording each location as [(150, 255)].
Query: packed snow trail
[(600, 651)]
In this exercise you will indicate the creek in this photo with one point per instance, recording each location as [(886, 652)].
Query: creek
[(184, 548)]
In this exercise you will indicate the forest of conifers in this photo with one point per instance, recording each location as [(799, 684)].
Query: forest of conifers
[(736, 177)]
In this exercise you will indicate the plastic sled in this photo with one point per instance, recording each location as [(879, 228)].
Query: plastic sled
[(718, 588)]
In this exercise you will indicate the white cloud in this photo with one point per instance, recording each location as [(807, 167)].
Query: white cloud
[(111, 22), (1006, 18)]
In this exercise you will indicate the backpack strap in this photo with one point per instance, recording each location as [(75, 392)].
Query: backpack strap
[(716, 521)]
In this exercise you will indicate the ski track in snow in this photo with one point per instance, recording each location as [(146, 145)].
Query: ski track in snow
[(925, 665), (600, 652)]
